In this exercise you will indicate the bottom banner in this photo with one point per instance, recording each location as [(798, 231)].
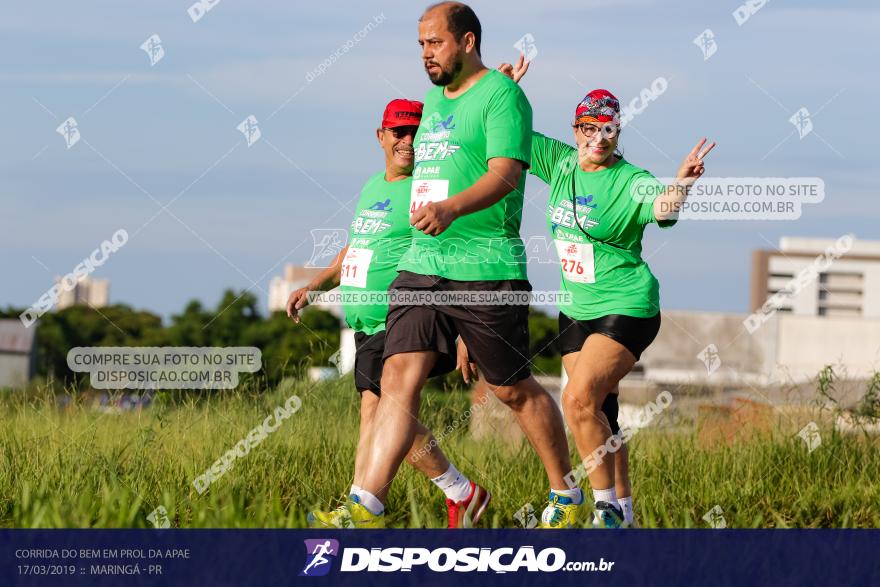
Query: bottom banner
[(429, 557)]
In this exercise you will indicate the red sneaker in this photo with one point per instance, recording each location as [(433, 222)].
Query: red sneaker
[(466, 513)]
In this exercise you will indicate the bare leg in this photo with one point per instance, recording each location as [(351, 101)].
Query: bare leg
[(369, 402), (596, 372), (395, 423), (621, 458), (424, 455), (541, 421)]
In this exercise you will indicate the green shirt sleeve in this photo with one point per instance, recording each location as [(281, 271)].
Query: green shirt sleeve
[(509, 124), (646, 208), (550, 156)]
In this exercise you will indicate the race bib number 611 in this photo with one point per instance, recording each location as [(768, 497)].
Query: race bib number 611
[(355, 266)]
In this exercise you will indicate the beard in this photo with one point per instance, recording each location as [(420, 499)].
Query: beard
[(445, 76)]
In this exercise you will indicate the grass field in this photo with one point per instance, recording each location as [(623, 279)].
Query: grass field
[(81, 468)]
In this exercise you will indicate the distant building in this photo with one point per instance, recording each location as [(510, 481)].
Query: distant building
[(714, 347), (17, 353), (295, 277), (850, 286), (828, 318), (280, 288), (87, 292)]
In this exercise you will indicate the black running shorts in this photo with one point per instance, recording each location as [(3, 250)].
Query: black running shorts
[(633, 333), (497, 335), (368, 361)]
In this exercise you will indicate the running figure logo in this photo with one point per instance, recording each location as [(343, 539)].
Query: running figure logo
[(250, 128), (706, 42), (153, 48), (802, 122), (319, 554), (585, 201), (68, 129), (326, 244), (382, 206), (444, 124), (526, 46), (711, 358)]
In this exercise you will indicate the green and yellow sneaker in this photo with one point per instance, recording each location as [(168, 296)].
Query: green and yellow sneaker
[(338, 518), (360, 516), (608, 515), (561, 512), (351, 514)]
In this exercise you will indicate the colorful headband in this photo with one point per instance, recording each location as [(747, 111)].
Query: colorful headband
[(598, 106)]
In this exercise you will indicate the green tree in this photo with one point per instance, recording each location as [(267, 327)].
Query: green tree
[(289, 348), (233, 316), (83, 326), (189, 327)]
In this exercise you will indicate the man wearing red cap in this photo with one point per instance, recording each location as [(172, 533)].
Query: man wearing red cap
[(380, 234)]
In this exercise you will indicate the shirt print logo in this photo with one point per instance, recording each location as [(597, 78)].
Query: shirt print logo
[(434, 142), (385, 206), (444, 124), (563, 214), (372, 220), (435, 151)]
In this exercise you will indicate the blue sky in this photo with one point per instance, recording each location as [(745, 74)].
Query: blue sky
[(153, 134)]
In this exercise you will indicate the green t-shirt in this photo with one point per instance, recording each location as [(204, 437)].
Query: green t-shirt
[(604, 272), (379, 236), (454, 143)]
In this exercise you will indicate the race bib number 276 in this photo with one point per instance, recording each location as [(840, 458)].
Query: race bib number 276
[(578, 265)]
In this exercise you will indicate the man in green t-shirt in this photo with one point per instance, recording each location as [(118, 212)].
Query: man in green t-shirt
[(379, 235), (466, 267)]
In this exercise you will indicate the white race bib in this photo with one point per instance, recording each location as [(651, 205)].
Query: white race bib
[(355, 266), (425, 191), (577, 261)]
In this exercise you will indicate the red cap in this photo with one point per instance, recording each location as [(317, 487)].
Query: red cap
[(402, 112)]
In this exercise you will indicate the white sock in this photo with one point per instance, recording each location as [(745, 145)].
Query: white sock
[(455, 485), (575, 495), (371, 502), (608, 495), (355, 489), (626, 504)]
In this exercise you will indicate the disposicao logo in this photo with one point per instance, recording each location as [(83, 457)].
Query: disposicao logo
[(320, 553)]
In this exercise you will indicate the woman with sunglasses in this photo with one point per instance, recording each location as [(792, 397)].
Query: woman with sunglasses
[(599, 207)]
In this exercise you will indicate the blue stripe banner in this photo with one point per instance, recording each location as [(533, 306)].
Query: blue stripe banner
[(436, 557)]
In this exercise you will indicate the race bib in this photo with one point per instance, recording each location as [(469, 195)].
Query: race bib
[(425, 191), (355, 266), (577, 261)]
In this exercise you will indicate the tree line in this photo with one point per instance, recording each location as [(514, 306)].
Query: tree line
[(288, 349)]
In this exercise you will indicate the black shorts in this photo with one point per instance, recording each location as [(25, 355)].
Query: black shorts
[(633, 333), (368, 361), (497, 335)]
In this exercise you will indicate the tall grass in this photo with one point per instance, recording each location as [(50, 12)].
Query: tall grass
[(77, 467)]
